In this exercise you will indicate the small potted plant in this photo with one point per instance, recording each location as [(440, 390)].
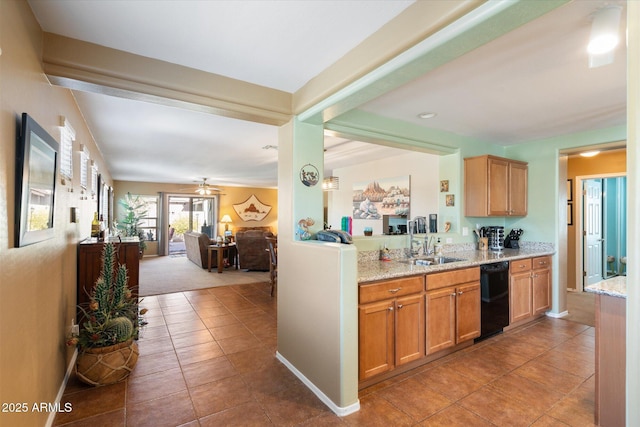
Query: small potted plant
[(106, 342), (134, 210)]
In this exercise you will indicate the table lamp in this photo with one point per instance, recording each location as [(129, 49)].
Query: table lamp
[(226, 220)]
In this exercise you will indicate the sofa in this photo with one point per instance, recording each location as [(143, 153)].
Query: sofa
[(197, 245), (252, 249)]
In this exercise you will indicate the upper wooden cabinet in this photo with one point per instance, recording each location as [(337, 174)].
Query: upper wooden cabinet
[(495, 186)]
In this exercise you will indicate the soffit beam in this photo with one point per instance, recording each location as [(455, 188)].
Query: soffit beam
[(89, 67)]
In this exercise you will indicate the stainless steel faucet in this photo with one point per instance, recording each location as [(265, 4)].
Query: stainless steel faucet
[(415, 226), (428, 248)]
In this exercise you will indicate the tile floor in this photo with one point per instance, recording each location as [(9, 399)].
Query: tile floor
[(207, 359)]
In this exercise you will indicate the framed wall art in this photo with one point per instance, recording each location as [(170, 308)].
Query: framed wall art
[(36, 162), (252, 209)]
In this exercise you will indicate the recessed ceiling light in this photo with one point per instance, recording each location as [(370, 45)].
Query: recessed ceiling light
[(427, 115), (590, 153)]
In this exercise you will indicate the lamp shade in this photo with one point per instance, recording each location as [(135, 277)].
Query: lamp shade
[(225, 219), (331, 183)]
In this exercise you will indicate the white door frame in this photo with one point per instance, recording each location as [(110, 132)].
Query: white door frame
[(578, 222)]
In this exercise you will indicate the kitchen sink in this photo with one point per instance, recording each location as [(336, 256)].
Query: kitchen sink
[(431, 260)]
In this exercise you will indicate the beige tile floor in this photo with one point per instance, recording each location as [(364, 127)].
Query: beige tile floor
[(207, 359)]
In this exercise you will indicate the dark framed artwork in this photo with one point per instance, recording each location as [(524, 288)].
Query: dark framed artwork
[(570, 190), (569, 214), (36, 163)]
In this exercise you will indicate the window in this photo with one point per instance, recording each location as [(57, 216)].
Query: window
[(149, 223), (84, 166), (67, 136), (94, 181)]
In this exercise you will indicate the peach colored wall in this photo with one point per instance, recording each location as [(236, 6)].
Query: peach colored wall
[(37, 282), (603, 163)]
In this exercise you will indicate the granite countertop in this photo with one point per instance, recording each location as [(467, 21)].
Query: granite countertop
[(371, 270), (614, 287)]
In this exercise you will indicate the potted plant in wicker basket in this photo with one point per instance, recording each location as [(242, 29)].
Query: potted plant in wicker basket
[(107, 349)]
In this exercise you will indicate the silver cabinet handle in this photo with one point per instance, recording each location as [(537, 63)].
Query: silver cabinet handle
[(459, 292), (393, 291), (453, 294), (399, 306), (390, 308)]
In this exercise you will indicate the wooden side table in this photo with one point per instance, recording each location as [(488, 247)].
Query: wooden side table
[(219, 249)]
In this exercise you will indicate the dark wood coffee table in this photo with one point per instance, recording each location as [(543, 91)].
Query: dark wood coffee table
[(232, 254)]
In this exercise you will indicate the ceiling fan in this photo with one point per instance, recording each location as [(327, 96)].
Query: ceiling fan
[(206, 189)]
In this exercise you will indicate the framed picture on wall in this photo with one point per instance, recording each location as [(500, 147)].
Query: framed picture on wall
[(570, 190), (36, 160), (569, 214)]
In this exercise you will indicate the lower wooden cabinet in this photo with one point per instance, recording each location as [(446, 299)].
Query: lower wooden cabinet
[(391, 331), (399, 323), (529, 288), (409, 329), (453, 316), (541, 284), (376, 338)]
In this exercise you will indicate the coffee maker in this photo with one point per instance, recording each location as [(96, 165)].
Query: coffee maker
[(496, 237)]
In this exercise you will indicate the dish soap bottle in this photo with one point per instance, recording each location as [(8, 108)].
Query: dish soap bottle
[(384, 254)]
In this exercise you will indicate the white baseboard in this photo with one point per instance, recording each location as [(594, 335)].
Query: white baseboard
[(63, 386), (557, 315), (338, 410)]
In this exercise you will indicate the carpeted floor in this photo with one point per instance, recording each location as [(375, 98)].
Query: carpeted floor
[(581, 307), (167, 274)]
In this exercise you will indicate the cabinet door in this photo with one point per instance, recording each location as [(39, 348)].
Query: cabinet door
[(409, 329), (498, 187), (376, 338), (467, 312), (441, 319), (518, 189), (520, 296), (541, 290)]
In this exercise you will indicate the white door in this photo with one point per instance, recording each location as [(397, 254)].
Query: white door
[(593, 241)]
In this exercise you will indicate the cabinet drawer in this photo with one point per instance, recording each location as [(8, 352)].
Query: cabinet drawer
[(390, 289), (520, 265), (541, 262), (452, 278)]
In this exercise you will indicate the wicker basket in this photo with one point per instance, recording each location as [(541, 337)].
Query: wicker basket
[(107, 365)]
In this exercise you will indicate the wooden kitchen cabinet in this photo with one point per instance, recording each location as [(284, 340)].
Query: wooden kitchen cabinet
[(541, 285), (495, 186), (529, 288), (452, 312), (391, 325)]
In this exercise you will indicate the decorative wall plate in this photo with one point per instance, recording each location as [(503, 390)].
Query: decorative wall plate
[(309, 175), (252, 209)]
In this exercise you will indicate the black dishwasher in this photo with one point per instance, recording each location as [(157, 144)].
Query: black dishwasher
[(494, 293)]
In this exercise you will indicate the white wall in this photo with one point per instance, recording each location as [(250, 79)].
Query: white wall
[(422, 168)]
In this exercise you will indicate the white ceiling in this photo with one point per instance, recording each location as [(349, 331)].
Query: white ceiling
[(530, 84)]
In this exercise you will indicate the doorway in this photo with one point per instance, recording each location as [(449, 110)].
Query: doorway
[(189, 213), (602, 220)]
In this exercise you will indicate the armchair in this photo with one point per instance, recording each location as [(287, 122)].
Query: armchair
[(252, 249)]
